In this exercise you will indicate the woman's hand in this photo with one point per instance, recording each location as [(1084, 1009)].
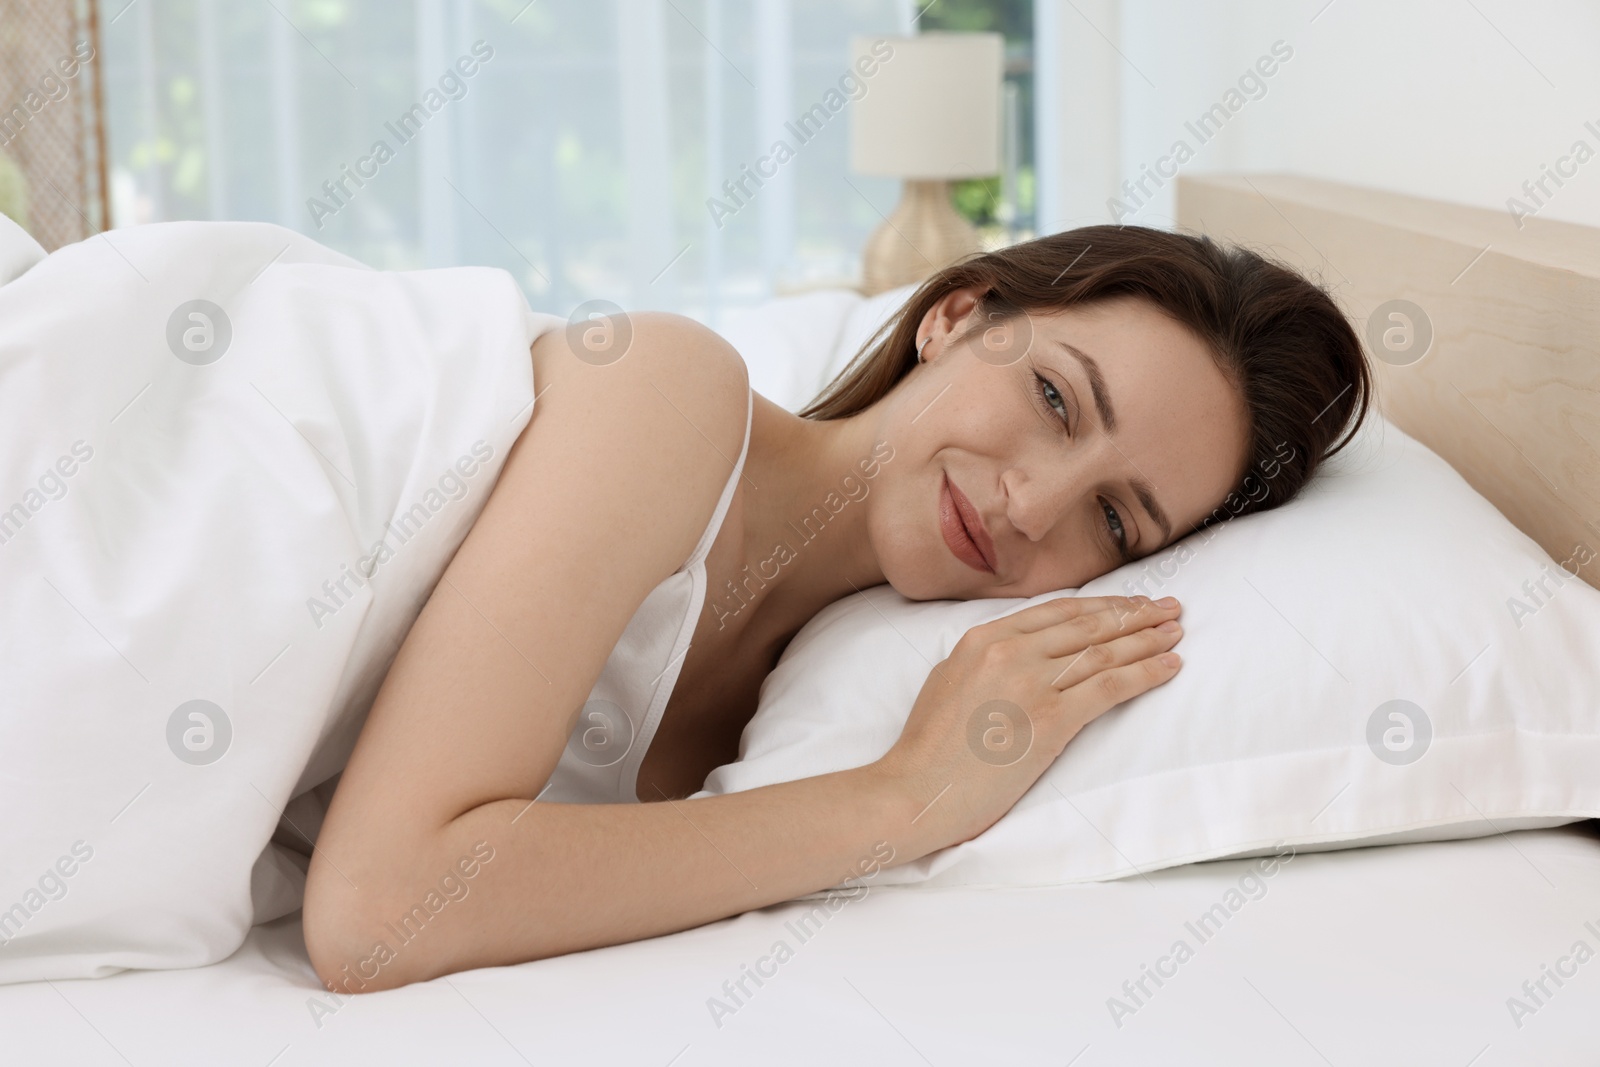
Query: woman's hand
[(995, 714)]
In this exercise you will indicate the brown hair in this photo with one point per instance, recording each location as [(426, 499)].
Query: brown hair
[(1278, 336)]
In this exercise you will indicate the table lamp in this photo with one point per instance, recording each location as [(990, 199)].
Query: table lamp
[(930, 114)]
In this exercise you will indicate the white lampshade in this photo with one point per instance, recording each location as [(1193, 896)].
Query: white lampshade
[(931, 110)]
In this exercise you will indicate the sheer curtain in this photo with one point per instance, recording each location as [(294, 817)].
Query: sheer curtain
[(576, 143)]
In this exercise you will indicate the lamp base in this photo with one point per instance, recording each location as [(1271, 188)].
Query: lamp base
[(924, 234)]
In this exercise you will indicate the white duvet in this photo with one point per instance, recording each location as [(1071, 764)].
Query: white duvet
[(235, 464)]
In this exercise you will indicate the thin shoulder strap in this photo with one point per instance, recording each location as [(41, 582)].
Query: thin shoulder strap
[(710, 535)]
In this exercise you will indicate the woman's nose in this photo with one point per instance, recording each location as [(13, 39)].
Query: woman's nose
[(1035, 501)]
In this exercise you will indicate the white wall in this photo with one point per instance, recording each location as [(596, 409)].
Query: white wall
[(1077, 113), (1449, 99)]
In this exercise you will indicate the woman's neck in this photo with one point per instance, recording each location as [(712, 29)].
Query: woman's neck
[(804, 495)]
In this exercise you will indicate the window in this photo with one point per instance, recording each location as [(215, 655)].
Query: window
[(581, 153), (1003, 207)]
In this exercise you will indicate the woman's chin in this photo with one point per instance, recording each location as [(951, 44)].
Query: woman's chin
[(930, 582)]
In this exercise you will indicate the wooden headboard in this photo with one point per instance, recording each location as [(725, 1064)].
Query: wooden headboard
[(1507, 388)]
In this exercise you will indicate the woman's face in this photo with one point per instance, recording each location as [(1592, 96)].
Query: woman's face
[(1105, 435)]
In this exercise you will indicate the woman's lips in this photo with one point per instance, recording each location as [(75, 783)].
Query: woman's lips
[(960, 542)]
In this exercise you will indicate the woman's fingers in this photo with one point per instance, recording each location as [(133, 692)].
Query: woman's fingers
[(1097, 695), (1011, 694), (1099, 627), (1072, 636), (1068, 608), (1059, 610), (1140, 644)]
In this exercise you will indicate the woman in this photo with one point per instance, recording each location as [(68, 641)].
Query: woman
[(1038, 416)]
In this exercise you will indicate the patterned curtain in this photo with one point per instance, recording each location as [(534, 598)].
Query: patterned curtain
[(52, 135)]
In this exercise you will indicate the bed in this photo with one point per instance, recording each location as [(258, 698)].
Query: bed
[(1461, 952)]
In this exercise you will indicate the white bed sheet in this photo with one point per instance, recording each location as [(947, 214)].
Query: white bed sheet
[(1393, 955), (1402, 954)]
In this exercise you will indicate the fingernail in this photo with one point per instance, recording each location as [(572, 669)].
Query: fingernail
[(1170, 626), (1171, 659), (1168, 602)]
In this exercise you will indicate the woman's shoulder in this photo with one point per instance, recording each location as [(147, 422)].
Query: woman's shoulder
[(642, 353), (650, 410)]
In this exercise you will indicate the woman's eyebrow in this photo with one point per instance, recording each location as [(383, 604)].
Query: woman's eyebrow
[(1141, 489), (1097, 386), (1108, 419)]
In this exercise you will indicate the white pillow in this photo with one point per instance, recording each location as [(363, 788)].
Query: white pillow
[(865, 317), (785, 341), (795, 345), (1388, 579)]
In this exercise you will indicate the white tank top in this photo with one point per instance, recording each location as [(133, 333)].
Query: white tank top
[(600, 764)]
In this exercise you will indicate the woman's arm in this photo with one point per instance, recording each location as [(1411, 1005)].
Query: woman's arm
[(604, 494), (434, 858), (554, 878)]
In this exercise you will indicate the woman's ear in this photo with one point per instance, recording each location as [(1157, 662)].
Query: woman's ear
[(949, 316)]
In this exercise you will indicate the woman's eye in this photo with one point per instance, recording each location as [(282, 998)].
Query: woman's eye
[(1119, 533), (1052, 397)]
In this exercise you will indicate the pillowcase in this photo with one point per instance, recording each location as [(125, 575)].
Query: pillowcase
[(1384, 658), (786, 340), (795, 345)]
